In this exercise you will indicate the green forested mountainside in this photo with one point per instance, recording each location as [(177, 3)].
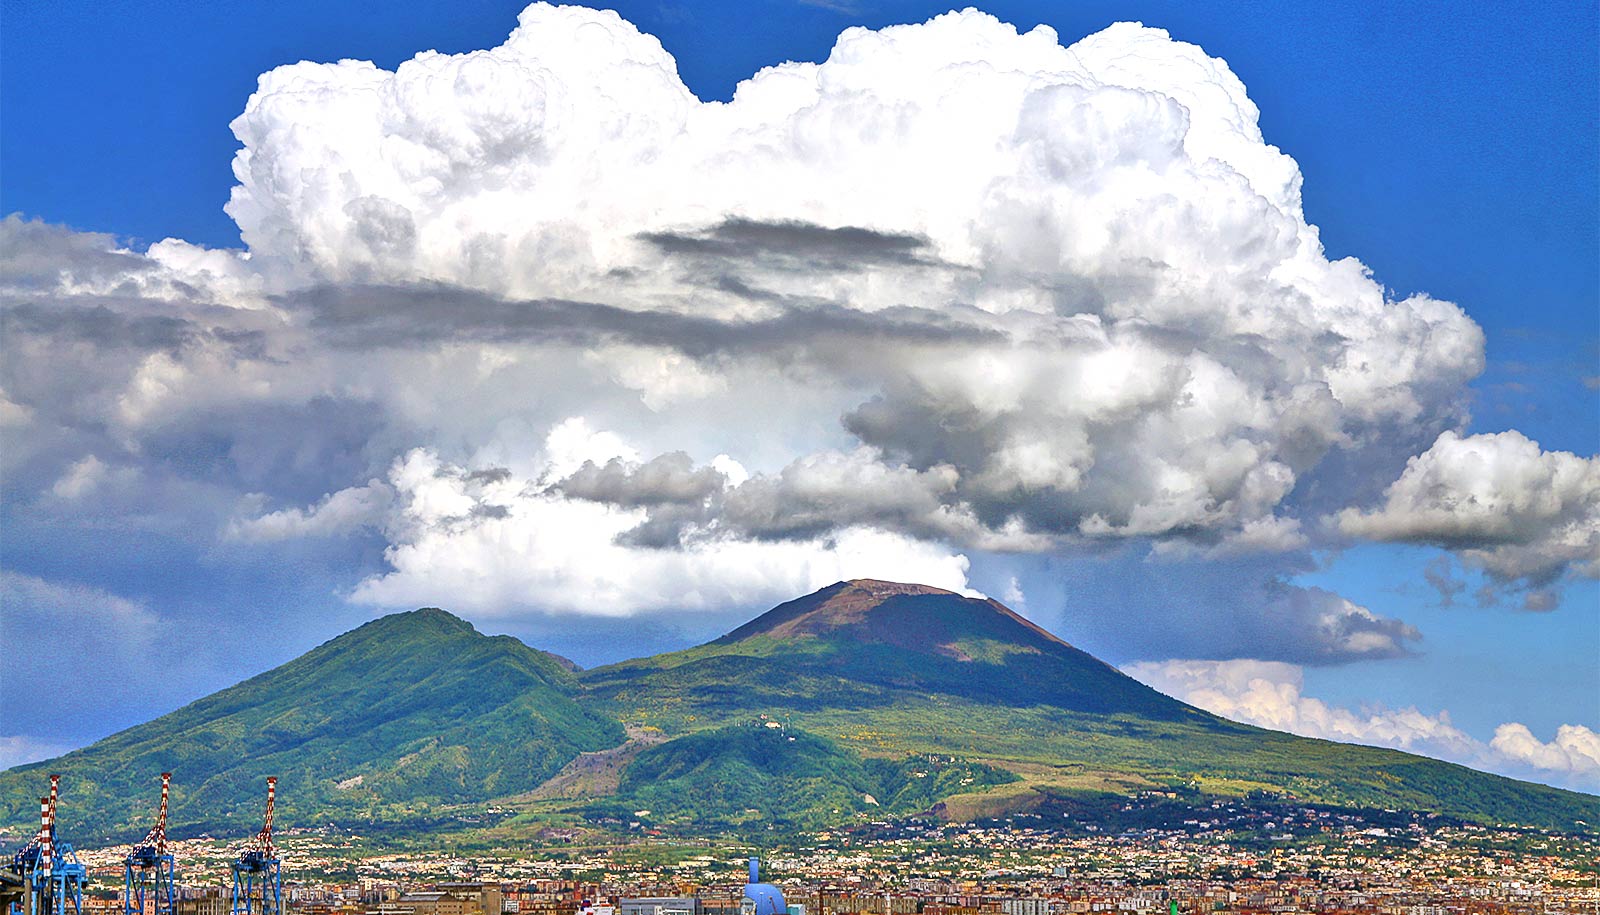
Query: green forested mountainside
[(412, 724), (386, 723), (869, 644), (889, 670), (762, 774)]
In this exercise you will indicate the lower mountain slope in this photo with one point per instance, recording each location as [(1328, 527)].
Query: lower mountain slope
[(762, 776), (384, 724), (891, 670)]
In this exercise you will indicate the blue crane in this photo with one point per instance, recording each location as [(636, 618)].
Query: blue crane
[(51, 875), (257, 878), (147, 873)]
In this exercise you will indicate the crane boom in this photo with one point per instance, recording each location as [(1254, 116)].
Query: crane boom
[(148, 877), (257, 880), (51, 874)]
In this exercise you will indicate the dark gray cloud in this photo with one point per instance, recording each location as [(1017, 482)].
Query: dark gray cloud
[(815, 495), (122, 381), (668, 479), (293, 451), (795, 245), (807, 499), (375, 316), (680, 496), (102, 327), (748, 259), (35, 255), (490, 475), (1540, 601)]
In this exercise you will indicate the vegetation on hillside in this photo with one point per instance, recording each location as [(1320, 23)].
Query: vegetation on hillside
[(387, 723), (934, 673), (761, 776), (893, 700)]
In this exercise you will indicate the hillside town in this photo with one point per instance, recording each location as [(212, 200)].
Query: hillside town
[(1018, 866)]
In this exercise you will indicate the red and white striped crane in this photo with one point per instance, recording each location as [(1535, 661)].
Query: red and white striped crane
[(257, 877), (148, 880)]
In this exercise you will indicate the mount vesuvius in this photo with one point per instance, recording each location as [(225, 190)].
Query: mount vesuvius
[(866, 696)]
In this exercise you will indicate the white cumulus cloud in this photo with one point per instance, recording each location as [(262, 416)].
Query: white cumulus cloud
[(342, 512), (1271, 694), (491, 542), (1142, 335), (1517, 511), (1574, 749), (80, 479)]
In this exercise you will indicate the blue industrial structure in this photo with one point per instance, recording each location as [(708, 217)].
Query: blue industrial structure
[(147, 874), (761, 898), (51, 875), (257, 881)]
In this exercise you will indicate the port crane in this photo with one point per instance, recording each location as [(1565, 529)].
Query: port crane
[(52, 878), (147, 874), (257, 878)]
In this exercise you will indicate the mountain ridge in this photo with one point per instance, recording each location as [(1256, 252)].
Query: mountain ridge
[(398, 717), (413, 718)]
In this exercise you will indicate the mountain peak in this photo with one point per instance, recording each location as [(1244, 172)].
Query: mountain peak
[(861, 640), (372, 723), (427, 619), (426, 625), (907, 615), (417, 713), (879, 588)]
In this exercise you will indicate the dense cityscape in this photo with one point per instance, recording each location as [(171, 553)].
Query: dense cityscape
[(1301, 860)]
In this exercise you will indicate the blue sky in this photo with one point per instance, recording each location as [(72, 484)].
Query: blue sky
[(1452, 150)]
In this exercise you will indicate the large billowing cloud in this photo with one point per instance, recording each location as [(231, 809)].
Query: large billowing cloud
[(566, 339), (1074, 281), (1076, 277), (1522, 514), (1271, 694)]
